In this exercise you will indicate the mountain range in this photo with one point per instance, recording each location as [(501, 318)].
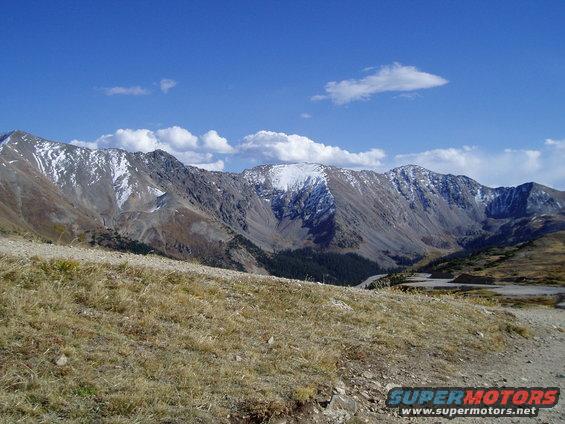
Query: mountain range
[(63, 192)]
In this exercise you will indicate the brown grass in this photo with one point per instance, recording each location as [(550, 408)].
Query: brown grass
[(539, 261), (145, 346)]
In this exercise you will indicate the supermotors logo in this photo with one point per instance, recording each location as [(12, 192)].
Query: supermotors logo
[(451, 402)]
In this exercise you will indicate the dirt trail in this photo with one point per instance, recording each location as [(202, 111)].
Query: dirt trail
[(535, 362), (539, 361)]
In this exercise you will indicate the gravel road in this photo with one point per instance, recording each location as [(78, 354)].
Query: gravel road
[(537, 362)]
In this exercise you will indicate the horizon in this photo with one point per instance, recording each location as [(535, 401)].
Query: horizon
[(460, 89), (382, 172)]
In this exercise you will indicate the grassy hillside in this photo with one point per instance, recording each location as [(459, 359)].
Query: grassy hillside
[(540, 261), (85, 342)]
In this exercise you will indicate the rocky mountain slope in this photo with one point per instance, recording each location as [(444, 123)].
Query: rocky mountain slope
[(62, 191)]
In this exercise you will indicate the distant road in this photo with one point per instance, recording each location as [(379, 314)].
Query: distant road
[(369, 280), (423, 281)]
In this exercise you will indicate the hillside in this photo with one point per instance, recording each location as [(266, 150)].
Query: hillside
[(89, 335), (245, 220), (539, 261)]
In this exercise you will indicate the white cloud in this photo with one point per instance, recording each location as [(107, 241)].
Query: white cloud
[(275, 146), (141, 140), (175, 140), (166, 85), (178, 138), (503, 168), (213, 142), (305, 115), (395, 77), (126, 91), (559, 144)]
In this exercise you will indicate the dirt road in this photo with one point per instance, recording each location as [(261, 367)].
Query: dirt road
[(537, 362)]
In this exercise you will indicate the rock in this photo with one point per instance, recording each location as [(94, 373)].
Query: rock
[(368, 375), (338, 416), (62, 360), (341, 305), (339, 390), (271, 340), (343, 403), (238, 358), (391, 386), (376, 417)]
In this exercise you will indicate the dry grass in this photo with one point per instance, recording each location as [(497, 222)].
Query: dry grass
[(145, 346), (539, 261)]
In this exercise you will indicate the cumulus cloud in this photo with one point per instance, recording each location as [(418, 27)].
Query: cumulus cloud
[(178, 138), (215, 143), (503, 168), (542, 163), (277, 146), (175, 140), (166, 85), (395, 77), (305, 115), (126, 91)]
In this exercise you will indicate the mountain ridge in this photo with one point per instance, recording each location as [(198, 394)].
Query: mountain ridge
[(391, 218)]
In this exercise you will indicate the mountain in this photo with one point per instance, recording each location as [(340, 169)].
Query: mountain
[(243, 220)]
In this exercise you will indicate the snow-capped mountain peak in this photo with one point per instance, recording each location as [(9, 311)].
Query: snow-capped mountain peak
[(155, 198), (296, 176)]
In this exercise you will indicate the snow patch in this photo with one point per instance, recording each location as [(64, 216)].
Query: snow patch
[(352, 178), (297, 176), (51, 160), (483, 197), (254, 177), (155, 191), (119, 166)]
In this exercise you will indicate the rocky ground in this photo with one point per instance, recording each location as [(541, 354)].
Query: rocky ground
[(538, 361)]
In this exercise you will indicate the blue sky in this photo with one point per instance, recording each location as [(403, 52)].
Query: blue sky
[(472, 87)]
